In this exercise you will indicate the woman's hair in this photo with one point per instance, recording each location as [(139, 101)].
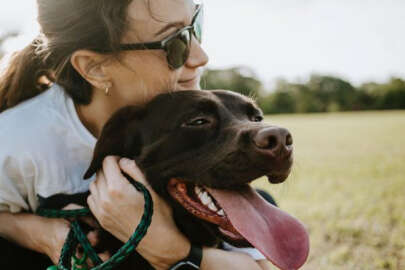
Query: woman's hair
[(66, 26)]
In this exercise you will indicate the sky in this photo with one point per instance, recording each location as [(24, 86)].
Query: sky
[(358, 40)]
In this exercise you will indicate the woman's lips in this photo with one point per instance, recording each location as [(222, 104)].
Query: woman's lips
[(189, 82)]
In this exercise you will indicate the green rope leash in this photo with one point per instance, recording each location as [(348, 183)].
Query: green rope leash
[(76, 236)]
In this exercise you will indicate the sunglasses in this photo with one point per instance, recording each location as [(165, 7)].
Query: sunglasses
[(177, 46)]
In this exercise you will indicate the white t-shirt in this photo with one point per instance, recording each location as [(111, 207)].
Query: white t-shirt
[(254, 253), (44, 150)]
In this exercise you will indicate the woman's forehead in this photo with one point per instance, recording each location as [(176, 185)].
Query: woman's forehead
[(148, 17)]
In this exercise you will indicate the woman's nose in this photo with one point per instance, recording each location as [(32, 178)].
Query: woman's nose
[(198, 57)]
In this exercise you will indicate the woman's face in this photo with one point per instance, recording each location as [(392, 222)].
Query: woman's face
[(139, 75)]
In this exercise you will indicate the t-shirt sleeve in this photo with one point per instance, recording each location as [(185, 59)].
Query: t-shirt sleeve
[(252, 252), (13, 184)]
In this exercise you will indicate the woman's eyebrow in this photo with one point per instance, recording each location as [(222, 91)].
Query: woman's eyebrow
[(169, 26), (173, 25)]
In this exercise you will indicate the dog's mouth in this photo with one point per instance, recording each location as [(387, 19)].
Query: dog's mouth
[(243, 216), (199, 202)]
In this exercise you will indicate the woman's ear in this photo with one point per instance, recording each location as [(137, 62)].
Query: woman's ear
[(91, 66)]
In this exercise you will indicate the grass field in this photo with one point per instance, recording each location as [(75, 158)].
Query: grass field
[(348, 187)]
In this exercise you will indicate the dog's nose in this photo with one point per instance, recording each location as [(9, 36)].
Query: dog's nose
[(275, 140)]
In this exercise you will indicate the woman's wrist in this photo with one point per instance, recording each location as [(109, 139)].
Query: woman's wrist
[(53, 237), (162, 256)]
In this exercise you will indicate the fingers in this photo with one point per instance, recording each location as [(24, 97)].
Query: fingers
[(93, 237), (99, 187), (91, 201), (111, 170), (94, 196), (72, 206), (129, 167), (103, 256), (112, 166), (98, 195), (116, 183), (90, 221), (93, 186)]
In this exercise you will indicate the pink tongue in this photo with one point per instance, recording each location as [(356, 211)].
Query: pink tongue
[(280, 237)]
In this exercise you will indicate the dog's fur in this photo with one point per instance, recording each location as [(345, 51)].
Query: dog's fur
[(204, 138)]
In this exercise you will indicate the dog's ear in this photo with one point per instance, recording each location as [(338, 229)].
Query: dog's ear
[(119, 137)]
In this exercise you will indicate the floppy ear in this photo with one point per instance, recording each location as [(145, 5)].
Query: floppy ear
[(119, 137)]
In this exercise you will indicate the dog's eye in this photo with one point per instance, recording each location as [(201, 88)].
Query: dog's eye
[(257, 118), (198, 122)]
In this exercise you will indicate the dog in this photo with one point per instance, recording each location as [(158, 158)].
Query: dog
[(199, 150)]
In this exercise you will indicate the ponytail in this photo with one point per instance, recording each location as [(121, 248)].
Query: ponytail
[(24, 77), (66, 26)]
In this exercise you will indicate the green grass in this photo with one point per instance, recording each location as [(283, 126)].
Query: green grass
[(348, 187)]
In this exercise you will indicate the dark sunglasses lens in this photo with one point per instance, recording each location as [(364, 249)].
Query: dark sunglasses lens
[(178, 49)]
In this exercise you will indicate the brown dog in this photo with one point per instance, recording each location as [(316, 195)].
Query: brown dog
[(199, 150)]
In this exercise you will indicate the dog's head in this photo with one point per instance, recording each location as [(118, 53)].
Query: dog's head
[(199, 150)]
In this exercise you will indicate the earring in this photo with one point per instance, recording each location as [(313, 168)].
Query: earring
[(107, 89)]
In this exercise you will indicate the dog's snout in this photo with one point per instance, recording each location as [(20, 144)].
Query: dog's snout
[(273, 139)]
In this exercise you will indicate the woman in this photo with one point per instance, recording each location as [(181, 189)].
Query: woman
[(80, 54)]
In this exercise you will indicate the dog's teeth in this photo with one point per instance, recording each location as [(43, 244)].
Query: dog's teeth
[(200, 195), (221, 212), (205, 198), (197, 190), (212, 207)]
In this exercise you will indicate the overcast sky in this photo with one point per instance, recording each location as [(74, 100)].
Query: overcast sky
[(359, 40)]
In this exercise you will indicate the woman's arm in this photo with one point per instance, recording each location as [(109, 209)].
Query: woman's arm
[(119, 207), (43, 235), (215, 259), (265, 265)]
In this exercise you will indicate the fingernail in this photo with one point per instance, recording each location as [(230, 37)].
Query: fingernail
[(125, 161)]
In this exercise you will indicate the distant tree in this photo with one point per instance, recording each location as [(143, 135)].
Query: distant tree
[(364, 100), (390, 95), (332, 92), (282, 100), (307, 100), (320, 94), (239, 79)]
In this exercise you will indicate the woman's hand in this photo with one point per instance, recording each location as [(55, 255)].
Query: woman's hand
[(118, 207), (54, 236), (92, 236)]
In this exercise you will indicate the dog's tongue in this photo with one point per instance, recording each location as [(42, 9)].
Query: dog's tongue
[(280, 237)]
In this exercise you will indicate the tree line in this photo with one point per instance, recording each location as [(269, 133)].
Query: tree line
[(319, 94)]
